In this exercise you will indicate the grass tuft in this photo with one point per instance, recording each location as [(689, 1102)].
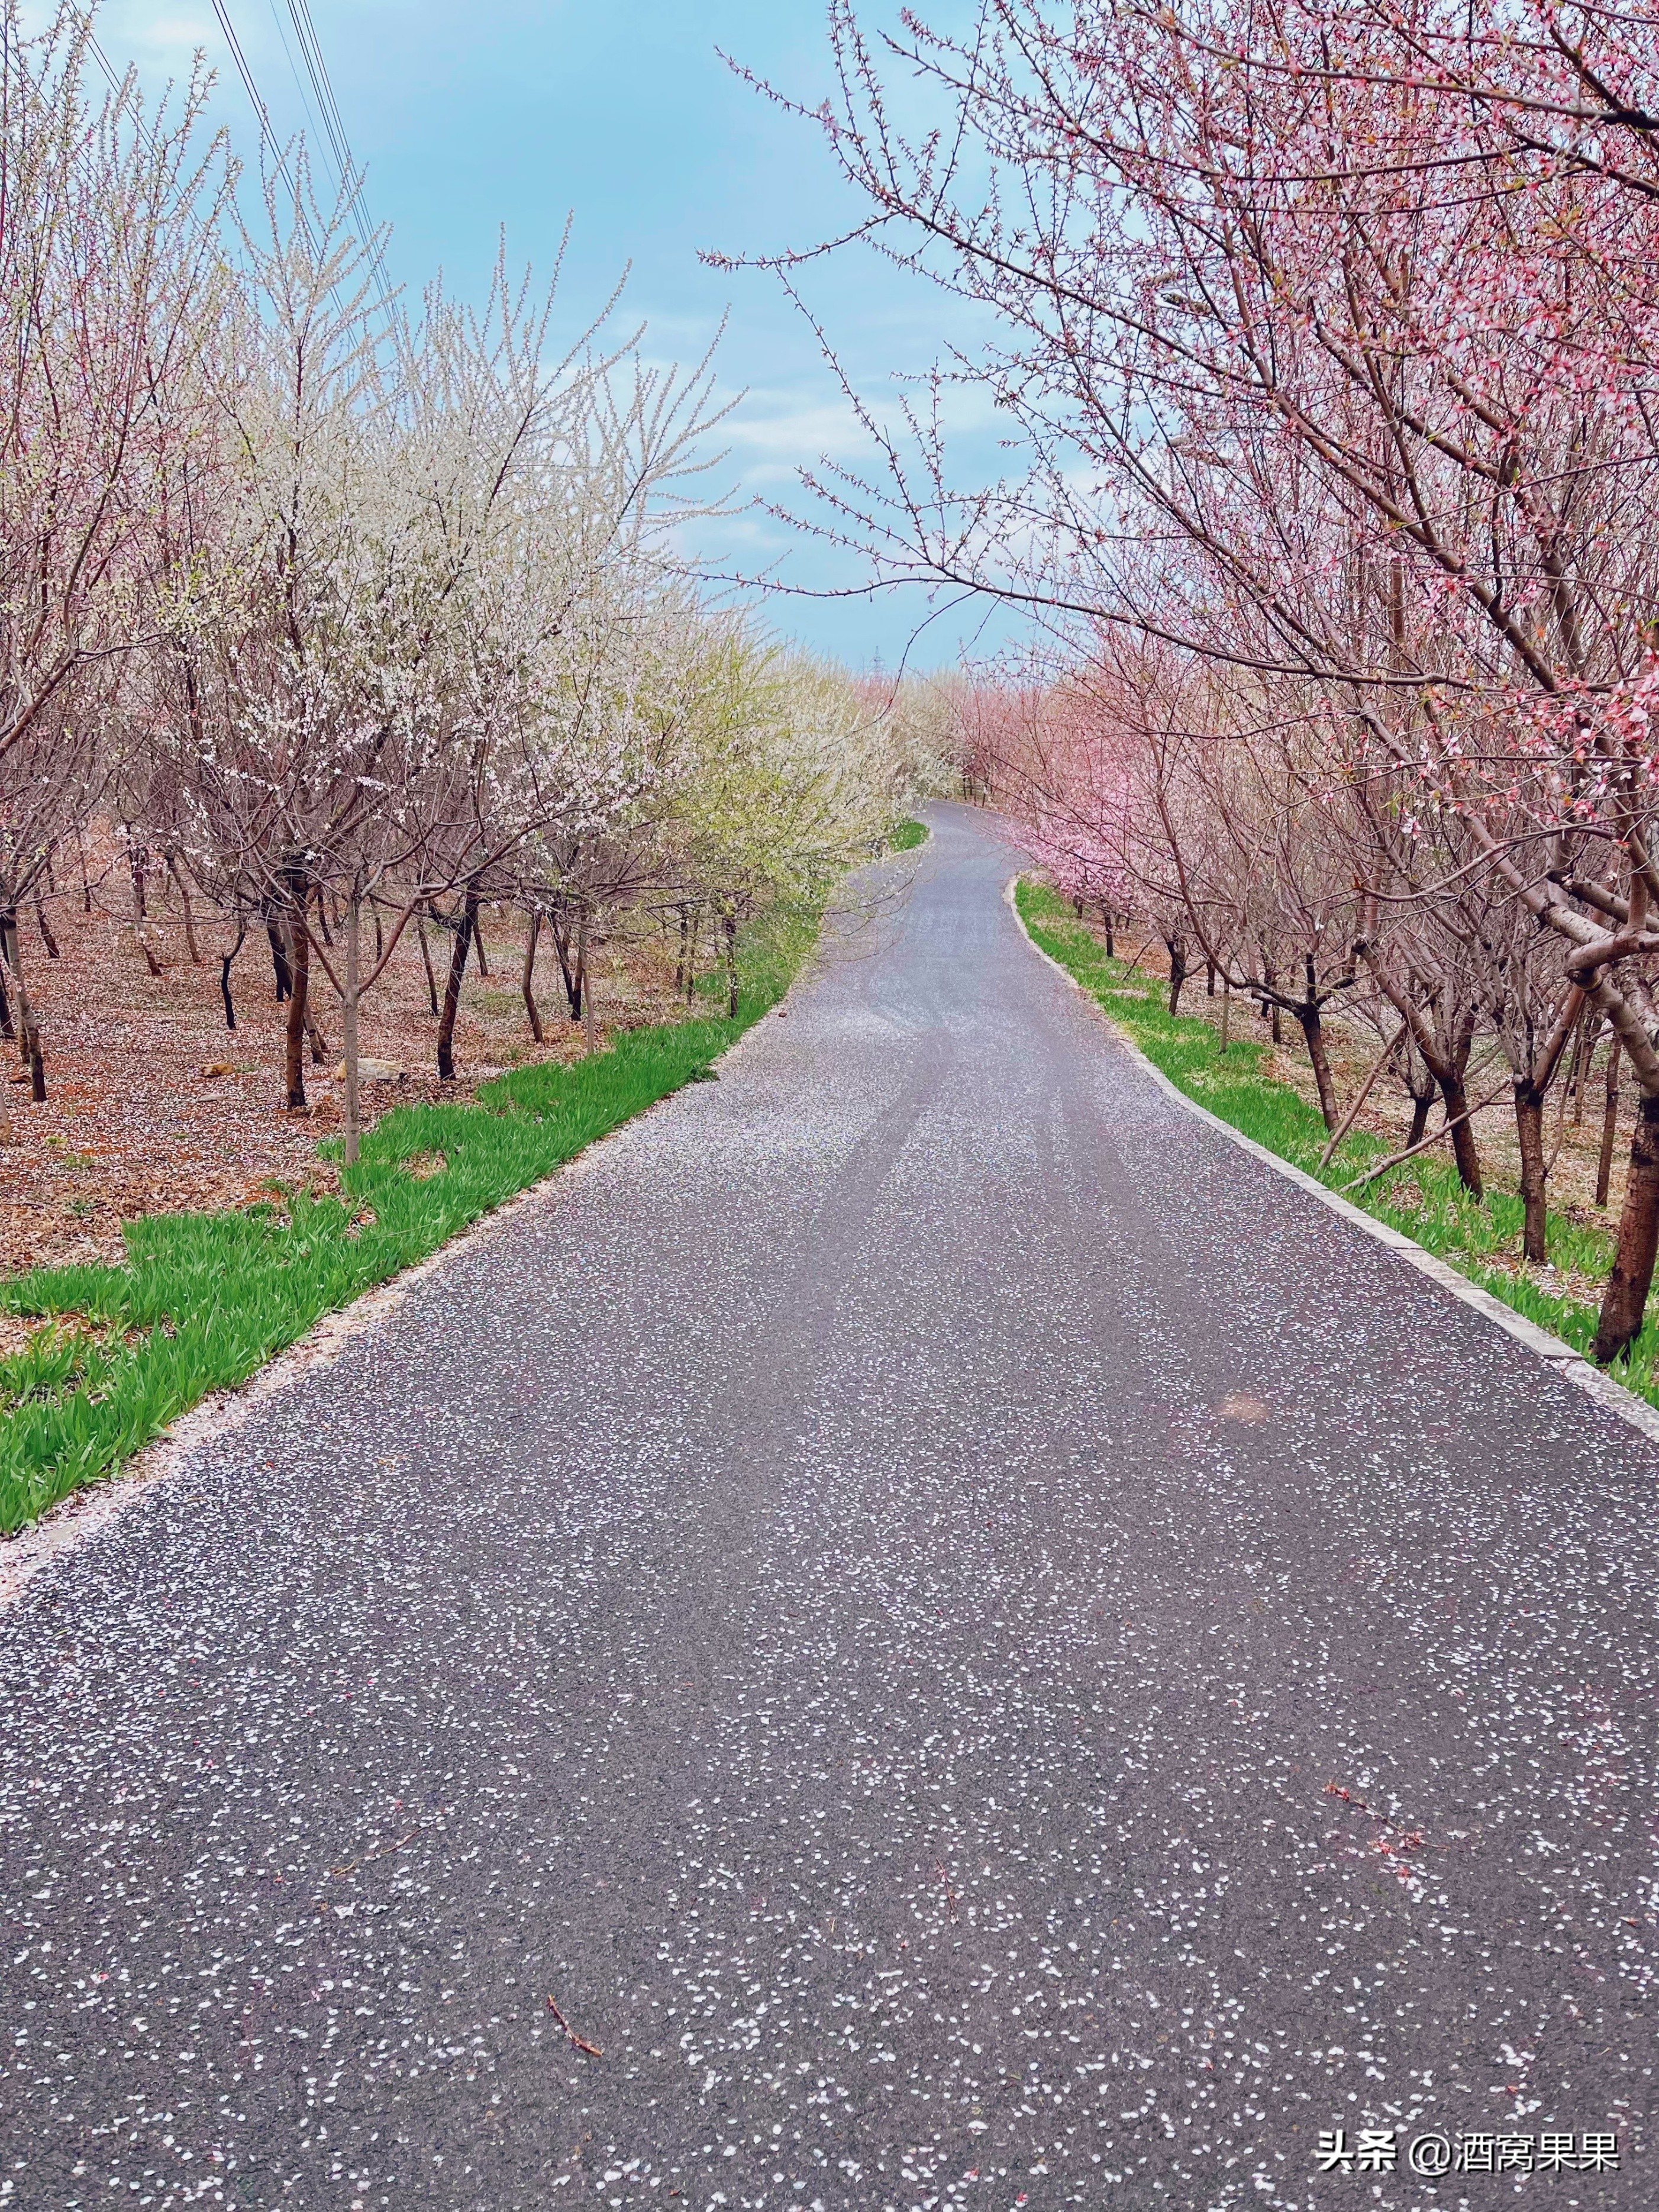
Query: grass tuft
[(1423, 1198), (905, 836)]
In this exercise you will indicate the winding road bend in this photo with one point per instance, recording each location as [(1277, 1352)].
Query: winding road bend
[(980, 1647)]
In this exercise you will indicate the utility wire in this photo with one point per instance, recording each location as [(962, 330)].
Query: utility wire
[(333, 131), (262, 113), (331, 122), (100, 57)]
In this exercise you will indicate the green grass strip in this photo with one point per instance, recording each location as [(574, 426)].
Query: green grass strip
[(905, 836), (1423, 1198), (202, 1300)]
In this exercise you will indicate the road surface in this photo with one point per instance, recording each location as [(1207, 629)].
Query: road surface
[(980, 1647)]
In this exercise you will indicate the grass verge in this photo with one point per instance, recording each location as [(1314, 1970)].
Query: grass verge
[(202, 1300), (1423, 1198), (905, 836)]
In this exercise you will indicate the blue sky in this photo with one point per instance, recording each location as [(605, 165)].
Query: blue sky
[(624, 118)]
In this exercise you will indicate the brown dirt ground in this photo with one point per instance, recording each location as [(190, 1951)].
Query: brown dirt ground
[(154, 1106)]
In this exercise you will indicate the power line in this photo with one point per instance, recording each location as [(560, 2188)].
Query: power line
[(332, 126), (102, 57), (261, 112)]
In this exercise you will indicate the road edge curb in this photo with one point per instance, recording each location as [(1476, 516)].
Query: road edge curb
[(1552, 1350)]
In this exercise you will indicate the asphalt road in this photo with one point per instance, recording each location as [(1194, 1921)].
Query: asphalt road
[(862, 1594)]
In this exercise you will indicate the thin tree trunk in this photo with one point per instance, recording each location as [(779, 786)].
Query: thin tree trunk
[(1624, 1303), (731, 927), (691, 957), (1464, 1150), (348, 1024), (1609, 1123), (1106, 923), (569, 976), (1209, 979), (1535, 1175), (280, 968), (584, 982), (1178, 952), (1581, 1065), (29, 1030), (1352, 1114), (426, 962), (527, 981), (453, 988), (478, 947), (190, 918), (44, 928), (1421, 1102), (1226, 1011), (1313, 1031), (225, 959), (299, 991), (86, 880), (679, 965), (6, 1030), (141, 911)]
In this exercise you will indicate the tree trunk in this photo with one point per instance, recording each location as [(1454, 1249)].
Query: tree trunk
[(29, 1030), (1581, 1065), (1106, 924), (44, 928), (1421, 1102), (1464, 1150), (685, 939), (1313, 1031), (280, 968), (6, 1030), (453, 988), (190, 918), (1209, 979), (569, 974), (1609, 1124), (478, 947), (86, 880), (1624, 1304), (425, 963), (1178, 952), (298, 962), (584, 982), (691, 957), (348, 1024), (1529, 1130), (730, 925), (527, 981), (225, 959)]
